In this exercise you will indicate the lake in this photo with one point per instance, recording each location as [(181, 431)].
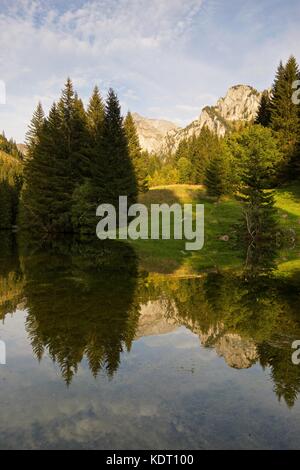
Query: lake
[(103, 354)]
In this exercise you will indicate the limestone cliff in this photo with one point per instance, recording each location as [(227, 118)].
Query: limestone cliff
[(239, 105), (237, 351), (152, 132)]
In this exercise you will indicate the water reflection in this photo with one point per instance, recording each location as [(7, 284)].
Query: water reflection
[(90, 301), (80, 301)]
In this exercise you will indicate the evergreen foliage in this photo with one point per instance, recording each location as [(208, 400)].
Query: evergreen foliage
[(35, 128), (78, 160), (217, 175), (259, 167), (135, 153), (285, 114), (264, 111)]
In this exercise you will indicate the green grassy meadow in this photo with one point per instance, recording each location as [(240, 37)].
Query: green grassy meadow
[(170, 256)]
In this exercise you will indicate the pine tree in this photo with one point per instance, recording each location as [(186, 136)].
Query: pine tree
[(217, 176), (264, 111), (86, 196), (135, 153), (202, 149), (35, 129), (95, 120), (46, 199), (285, 117), (259, 206), (185, 170), (259, 167), (95, 115), (80, 152), (118, 178)]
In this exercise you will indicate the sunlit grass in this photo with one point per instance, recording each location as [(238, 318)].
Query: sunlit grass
[(220, 219)]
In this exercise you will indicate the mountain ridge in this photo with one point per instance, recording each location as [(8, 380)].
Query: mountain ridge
[(240, 104)]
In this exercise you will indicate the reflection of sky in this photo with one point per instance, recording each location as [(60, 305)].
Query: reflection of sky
[(168, 392), (165, 58)]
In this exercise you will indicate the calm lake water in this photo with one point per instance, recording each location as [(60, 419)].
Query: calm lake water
[(104, 355)]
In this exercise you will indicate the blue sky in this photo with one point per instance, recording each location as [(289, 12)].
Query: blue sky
[(165, 58)]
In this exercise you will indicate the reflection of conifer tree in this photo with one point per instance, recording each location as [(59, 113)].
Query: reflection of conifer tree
[(285, 374), (11, 276), (82, 305)]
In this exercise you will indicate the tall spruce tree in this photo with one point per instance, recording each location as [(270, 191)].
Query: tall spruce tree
[(264, 111), (135, 153), (118, 177), (95, 121), (35, 129), (46, 199), (80, 143), (260, 159), (95, 115), (285, 116), (75, 132), (217, 175), (86, 196)]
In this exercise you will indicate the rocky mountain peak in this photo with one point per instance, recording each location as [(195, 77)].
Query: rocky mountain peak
[(240, 104), (152, 132)]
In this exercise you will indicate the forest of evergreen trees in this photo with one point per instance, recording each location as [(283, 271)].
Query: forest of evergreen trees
[(78, 158)]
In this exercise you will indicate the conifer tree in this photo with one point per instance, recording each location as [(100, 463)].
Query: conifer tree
[(80, 143), (95, 115), (264, 111), (285, 116), (217, 175), (135, 153), (118, 178), (260, 162), (46, 199), (35, 129), (95, 122), (259, 206), (86, 196)]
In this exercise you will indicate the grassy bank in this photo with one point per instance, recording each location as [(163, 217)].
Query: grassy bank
[(220, 219)]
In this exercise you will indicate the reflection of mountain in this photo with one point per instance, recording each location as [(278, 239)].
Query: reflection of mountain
[(246, 320), (238, 352), (153, 320)]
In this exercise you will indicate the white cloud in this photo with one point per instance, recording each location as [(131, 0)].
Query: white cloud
[(171, 56)]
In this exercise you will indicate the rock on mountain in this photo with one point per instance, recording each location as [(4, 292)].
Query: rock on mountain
[(237, 351), (152, 132), (239, 105)]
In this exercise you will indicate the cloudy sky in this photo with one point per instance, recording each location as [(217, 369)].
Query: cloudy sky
[(165, 58)]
